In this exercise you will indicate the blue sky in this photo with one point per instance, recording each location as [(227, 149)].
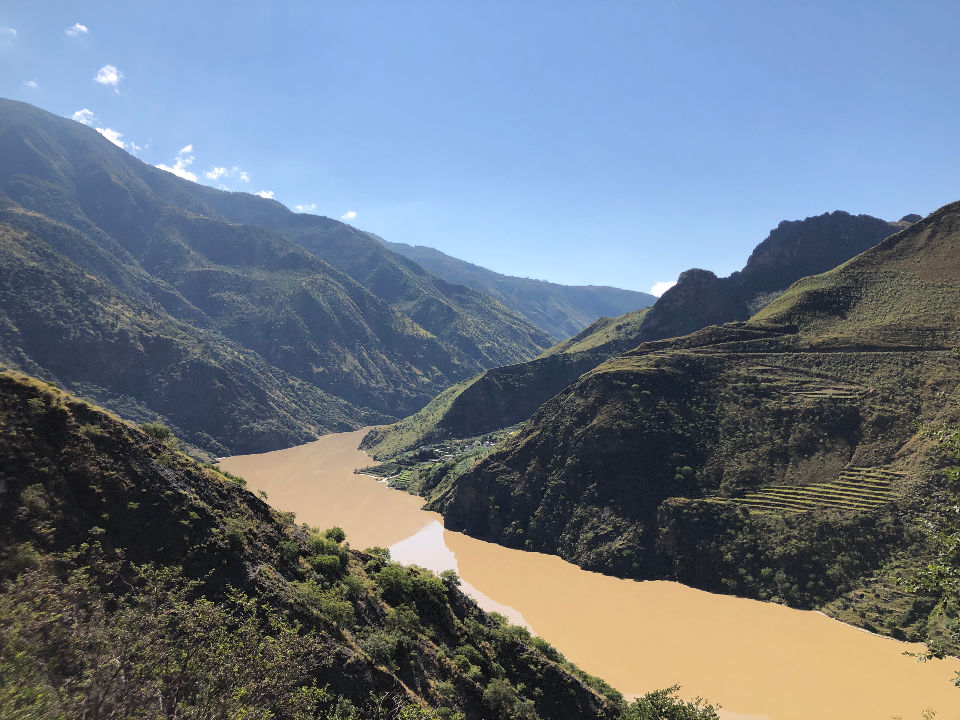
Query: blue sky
[(596, 142)]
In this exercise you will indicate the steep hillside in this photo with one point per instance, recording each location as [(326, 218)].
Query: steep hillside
[(471, 321), (510, 394), (776, 458), (221, 317), (506, 395), (558, 310), (59, 320), (137, 582), (794, 249)]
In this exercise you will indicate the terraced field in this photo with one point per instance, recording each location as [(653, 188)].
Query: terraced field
[(790, 382), (856, 489)]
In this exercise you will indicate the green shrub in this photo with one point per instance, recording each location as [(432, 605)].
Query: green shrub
[(450, 579), (380, 646), (665, 705), (429, 591), (321, 545), (335, 533), (21, 557), (547, 649), (403, 620), (91, 431), (289, 550), (378, 552), (161, 433), (354, 586), (445, 693), (325, 564), (471, 653), (395, 583), (461, 663), (328, 604), (501, 697)]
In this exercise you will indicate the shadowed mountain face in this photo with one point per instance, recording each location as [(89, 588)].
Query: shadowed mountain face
[(484, 330), (507, 395), (558, 310), (776, 458), (244, 325)]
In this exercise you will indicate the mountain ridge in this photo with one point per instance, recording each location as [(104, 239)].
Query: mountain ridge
[(558, 310), (508, 395), (316, 348)]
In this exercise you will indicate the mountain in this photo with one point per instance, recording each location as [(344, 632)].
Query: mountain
[(777, 458), (243, 325), (504, 396), (507, 395), (794, 249), (484, 330), (558, 310), (137, 582)]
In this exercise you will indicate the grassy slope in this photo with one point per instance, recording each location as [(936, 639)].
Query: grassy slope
[(634, 468), (902, 293), (601, 332), (72, 474), (504, 396)]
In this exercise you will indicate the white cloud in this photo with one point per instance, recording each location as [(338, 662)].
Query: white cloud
[(179, 169), (77, 29), (222, 173), (660, 288), (112, 135), (108, 75), (348, 215), (31, 84), (84, 116), (268, 194), (305, 208), (8, 32), (180, 164)]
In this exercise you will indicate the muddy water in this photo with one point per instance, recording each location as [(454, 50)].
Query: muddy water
[(758, 660)]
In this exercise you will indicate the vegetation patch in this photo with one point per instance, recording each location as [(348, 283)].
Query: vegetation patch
[(856, 490)]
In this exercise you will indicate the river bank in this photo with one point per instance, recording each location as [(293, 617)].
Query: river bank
[(758, 660)]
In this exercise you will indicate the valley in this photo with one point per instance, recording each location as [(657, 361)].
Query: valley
[(747, 487), (757, 660)]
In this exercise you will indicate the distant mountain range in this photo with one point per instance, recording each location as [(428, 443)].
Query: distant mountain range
[(245, 326), (507, 395), (558, 310)]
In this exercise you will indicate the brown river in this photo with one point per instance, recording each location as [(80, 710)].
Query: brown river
[(759, 661)]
